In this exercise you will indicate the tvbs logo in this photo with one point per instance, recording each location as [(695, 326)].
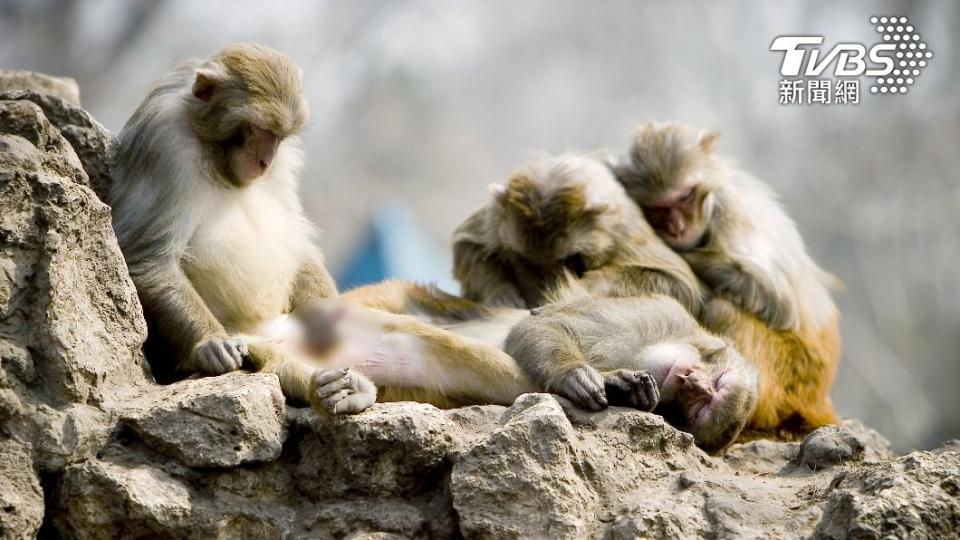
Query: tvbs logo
[(894, 63)]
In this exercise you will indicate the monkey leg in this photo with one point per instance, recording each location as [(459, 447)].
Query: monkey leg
[(439, 366), (424, 301), (552, 357), (327, 390)]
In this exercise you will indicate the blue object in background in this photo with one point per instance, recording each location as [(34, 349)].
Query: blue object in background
[(395, 246)]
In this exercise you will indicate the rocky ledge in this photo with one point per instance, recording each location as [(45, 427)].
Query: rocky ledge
[(91, 447)]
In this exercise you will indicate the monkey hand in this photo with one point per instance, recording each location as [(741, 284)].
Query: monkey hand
[(218, 355), (341, 391), (584, 387), (628, 388)]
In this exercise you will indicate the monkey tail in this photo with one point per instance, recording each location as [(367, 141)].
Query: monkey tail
[(409, 298)]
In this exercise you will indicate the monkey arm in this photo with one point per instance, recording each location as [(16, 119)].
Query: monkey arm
[(634, 280), (745, 285), (482, 278), (547, 351), (179, 313)]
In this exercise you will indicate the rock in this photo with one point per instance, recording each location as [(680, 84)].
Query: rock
[(31, 143), (92, 494), (833, 445), (761, 456), (21, 500), (91, 142), (389, 449), (220, 421), (527, 479), (916, 496), (544, 474), (71, 326), (64, 88)]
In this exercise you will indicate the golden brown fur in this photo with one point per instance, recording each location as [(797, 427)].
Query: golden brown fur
[(770, 297), (564, 214)]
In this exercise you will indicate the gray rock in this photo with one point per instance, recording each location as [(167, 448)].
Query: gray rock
[(389, 449), (915, 496), (92, 143), (222, 421), (528, 479), (94, 496), (21, 500), (71, 326), (833, 445), (63, 87), (761, 456)]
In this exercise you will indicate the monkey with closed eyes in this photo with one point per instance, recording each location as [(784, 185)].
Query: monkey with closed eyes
[(562, 214), (769, 296)]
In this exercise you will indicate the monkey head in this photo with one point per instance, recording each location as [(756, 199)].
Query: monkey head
[(242, 105), (712, 398), (559, 214), (668, 172)]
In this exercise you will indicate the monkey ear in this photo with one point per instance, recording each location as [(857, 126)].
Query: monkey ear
[(708, 141), (204, 84), (497, 191)]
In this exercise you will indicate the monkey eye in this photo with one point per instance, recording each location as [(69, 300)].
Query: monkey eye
[(688, 197)]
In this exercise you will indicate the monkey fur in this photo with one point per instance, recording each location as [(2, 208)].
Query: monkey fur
[(564, 214), (647, 353), (769, 296), (206, 211)]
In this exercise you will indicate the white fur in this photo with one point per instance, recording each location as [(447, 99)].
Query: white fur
[(773, 244), (240, 247)]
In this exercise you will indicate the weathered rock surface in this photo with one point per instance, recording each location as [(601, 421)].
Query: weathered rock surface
[(64, 88), (21, 500), (214, 422), (90, 447)]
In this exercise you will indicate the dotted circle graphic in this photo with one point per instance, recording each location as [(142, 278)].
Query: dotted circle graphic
[(911, 54)]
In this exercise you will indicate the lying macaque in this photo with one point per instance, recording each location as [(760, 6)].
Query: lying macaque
[(646, 353)]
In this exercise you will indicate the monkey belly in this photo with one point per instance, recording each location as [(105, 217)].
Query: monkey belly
[(244, 268)]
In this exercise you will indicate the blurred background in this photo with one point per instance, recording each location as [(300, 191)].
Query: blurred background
[(418, 105)]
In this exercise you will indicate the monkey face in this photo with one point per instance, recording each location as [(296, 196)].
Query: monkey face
[(244, 102), (249, 154), (681, 216), (712, 399)]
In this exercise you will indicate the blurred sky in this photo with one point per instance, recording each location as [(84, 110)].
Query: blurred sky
[(421, 104)]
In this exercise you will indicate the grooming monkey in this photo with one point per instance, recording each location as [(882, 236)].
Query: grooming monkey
[(647, 353), (206, 212), (564, 214), (769, 295)]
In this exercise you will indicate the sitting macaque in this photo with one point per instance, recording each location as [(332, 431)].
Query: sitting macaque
[(206, 211), (558, 215), (646, 353), (768, 294)]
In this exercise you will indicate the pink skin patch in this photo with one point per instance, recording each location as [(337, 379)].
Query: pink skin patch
[(666, 214), (698, 393)]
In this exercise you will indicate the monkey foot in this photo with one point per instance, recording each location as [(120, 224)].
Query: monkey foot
[(584, 387), (627, 388), (341, 391)]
